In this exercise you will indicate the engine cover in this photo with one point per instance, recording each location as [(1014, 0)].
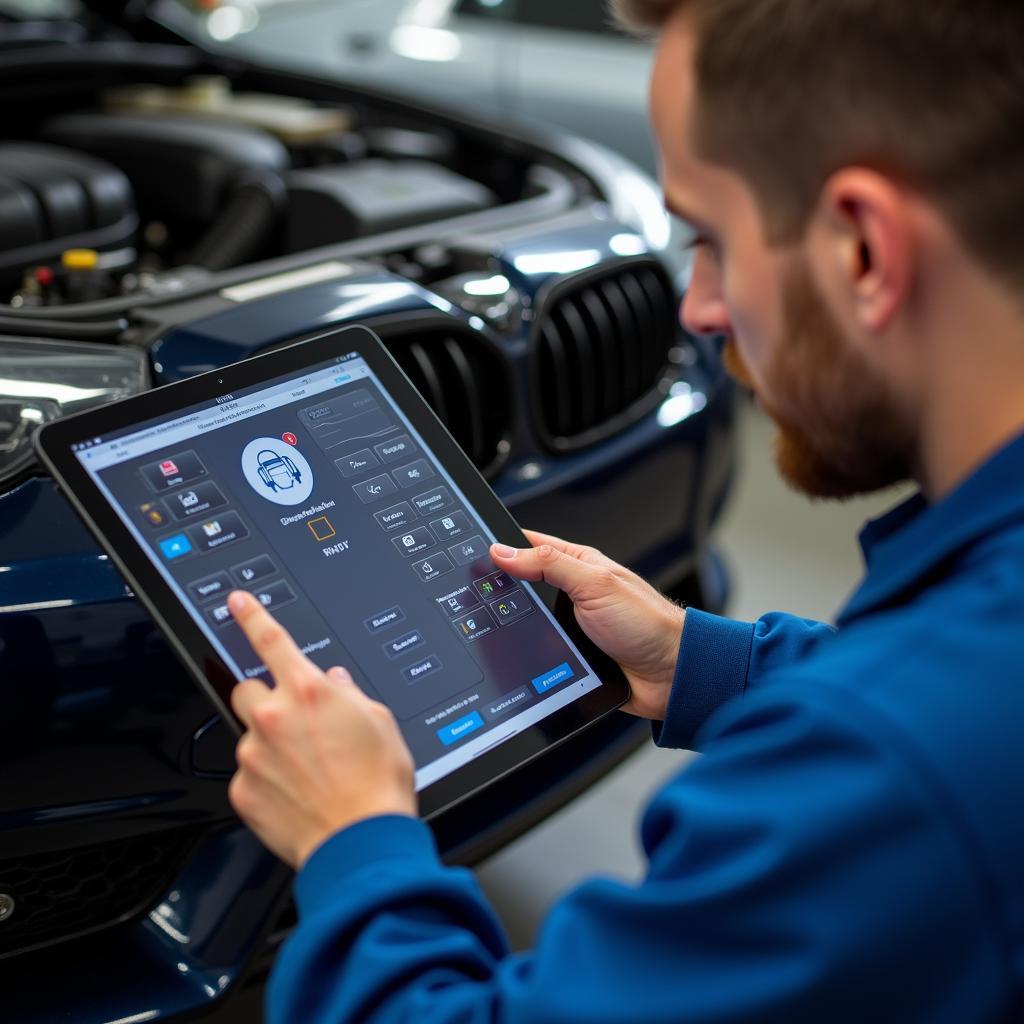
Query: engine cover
[(52, 199), (331, 204)]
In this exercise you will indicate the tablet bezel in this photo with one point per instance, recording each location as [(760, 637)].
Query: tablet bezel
[(53, 443)]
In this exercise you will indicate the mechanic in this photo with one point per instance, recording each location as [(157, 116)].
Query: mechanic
[(851, 844)]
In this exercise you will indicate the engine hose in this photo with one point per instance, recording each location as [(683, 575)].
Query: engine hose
[(248, 223), (71, 330)]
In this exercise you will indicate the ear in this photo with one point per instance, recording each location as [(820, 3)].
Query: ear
[(865, 225)]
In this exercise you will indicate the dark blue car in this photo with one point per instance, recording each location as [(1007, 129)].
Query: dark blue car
[(164, 211)]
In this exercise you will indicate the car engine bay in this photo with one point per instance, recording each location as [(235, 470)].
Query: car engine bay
[(156, 181)]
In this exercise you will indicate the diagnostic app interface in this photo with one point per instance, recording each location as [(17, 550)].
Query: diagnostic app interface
[(318, 496)]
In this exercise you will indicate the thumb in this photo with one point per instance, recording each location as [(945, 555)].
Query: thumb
[(580, 580)]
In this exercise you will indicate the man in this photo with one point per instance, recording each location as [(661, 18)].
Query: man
[(851, 845)]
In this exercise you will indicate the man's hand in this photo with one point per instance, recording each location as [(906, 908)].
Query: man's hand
[(624, 615), (318, 754)]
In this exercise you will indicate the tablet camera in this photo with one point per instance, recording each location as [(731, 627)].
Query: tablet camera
[(277, 471)]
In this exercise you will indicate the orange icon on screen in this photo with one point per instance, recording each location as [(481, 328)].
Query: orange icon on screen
[(153, 513), (321, 528)]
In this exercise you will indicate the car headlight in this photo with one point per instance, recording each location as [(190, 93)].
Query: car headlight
[(44, 380)]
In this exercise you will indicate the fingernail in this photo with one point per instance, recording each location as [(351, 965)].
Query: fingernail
[(337, 673), (504, 551), (236, 601)]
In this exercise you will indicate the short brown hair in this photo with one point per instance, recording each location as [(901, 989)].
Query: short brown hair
[(929, 91)]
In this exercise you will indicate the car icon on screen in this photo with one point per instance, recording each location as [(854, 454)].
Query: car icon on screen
[(278, 472)]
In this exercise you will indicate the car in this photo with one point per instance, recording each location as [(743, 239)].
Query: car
[(165, 210), (526, 61)]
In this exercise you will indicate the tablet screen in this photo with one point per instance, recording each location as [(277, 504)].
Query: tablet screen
[(316, 493)]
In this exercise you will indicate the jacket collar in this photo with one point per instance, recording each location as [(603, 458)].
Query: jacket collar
[(915, 538)]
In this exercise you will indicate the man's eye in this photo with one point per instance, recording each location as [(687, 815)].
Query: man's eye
[(705, 244)]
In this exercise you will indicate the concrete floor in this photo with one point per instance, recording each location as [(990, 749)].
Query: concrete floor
[(785, 553)]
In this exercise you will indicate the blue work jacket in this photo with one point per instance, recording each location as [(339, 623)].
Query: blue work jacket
[(849, 848)]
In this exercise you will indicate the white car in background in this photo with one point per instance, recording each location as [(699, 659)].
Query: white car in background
[(554, 62)]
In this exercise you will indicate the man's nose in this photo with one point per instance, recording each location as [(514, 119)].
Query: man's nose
[(703, 310)]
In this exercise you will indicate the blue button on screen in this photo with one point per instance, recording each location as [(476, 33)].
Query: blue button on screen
[(551, 679), (463, 727), (176, 546)]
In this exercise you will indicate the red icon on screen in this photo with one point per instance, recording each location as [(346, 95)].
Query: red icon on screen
[(168, 468), (289, 438)]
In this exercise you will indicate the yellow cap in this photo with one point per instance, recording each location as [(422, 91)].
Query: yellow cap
[(79, 259)]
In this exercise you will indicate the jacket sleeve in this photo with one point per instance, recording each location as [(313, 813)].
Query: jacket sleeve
[(798, 873), (721, 658)]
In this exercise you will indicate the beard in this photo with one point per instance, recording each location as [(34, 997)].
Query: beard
[(841, 430)]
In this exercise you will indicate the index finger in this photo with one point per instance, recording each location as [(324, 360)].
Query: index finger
[(269, 639)]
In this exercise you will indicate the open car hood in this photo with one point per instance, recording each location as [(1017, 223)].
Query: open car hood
[(148, 21)]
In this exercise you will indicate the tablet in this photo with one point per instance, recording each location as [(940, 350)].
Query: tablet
[(317, 478)]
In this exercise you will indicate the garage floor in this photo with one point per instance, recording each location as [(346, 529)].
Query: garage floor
[(785, 553)]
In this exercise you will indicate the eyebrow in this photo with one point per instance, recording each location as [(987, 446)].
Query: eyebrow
[(676, 208), (694, 224)]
